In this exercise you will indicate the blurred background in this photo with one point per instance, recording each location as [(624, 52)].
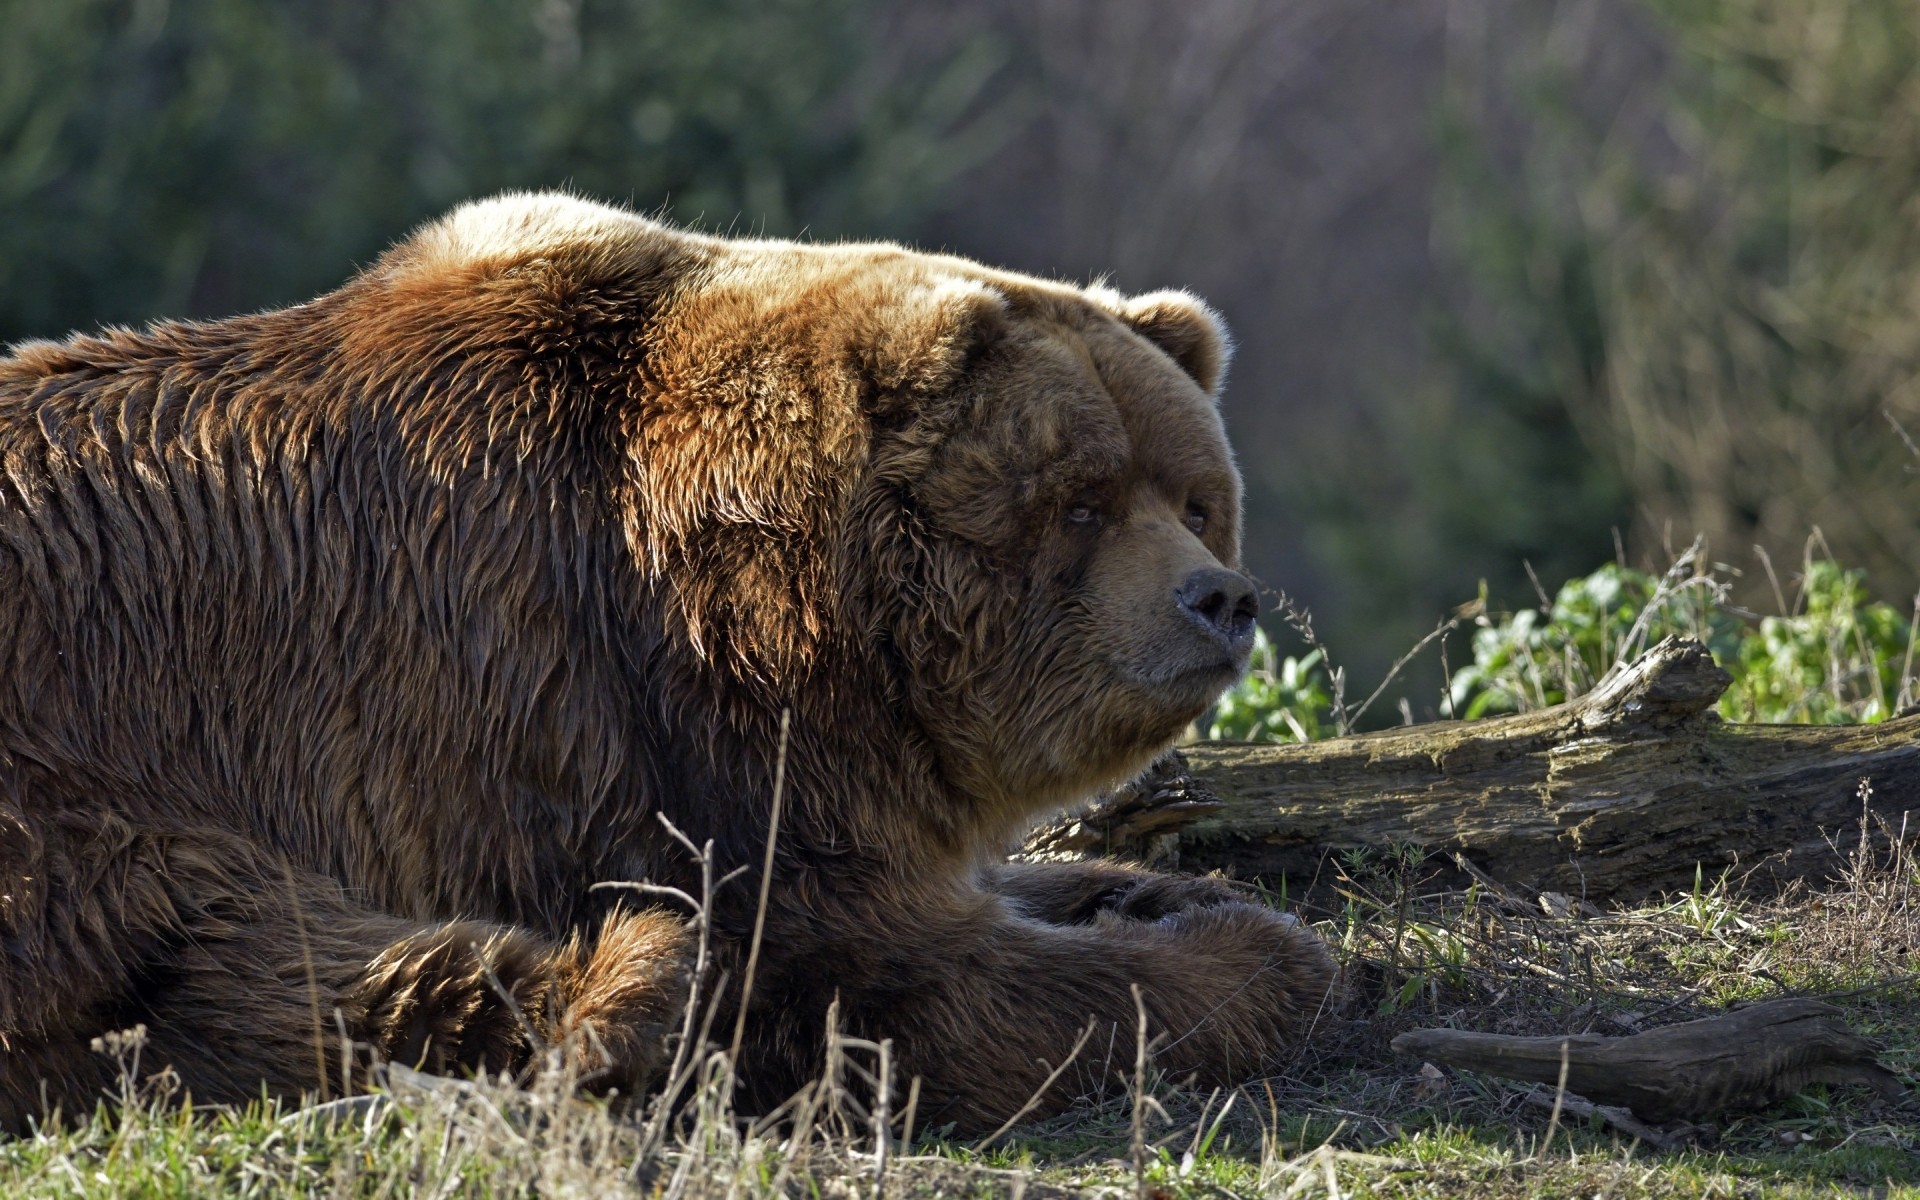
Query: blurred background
[(1520, 287)]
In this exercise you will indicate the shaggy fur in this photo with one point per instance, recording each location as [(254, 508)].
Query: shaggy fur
[(344, 648)]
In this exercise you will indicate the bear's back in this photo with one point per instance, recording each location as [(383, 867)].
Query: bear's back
[(257, 575)]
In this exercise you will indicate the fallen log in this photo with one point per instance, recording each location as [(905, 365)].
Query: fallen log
[(1619, 795), (1746, 1059)]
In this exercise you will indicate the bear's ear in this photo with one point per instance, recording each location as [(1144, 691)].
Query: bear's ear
[(918, 340), (1186, 328)]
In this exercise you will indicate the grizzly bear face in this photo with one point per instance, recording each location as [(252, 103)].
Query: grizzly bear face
[(1082, 512)]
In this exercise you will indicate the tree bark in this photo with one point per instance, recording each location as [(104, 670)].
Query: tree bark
[(1616, 796)]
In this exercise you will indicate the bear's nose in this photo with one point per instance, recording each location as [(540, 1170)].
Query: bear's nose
[(1224, 601)]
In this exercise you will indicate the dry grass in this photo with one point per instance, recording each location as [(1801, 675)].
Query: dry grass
[(1347, 1119)]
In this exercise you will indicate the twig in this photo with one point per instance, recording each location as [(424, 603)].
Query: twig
[(1885, 985), (1614, 1115), (536, 1042), (1676, 578), (1499, 890), (906, 1118), (1301, 621), (703, 957), (346, 1052), (1559, 1101), (882, 1118), (1139, 1131), (1773, 578), (313, 980), (1546, 605), (1041, 1091), (766, 887), (1905, 698), (1441, 630), (1904, 437)]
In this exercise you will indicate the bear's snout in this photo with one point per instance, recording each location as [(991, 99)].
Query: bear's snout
[(1223, 603)]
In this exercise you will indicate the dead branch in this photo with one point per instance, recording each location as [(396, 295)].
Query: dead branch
[(1746, 1059)]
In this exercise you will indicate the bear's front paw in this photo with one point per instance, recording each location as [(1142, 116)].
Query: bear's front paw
[(1237, 987), (1276, 965), (461, 996), (623, 998), (1151, 897)]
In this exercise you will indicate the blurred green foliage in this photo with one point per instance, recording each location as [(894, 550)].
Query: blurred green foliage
[(188, 157), (1688, 297), (1834, 657), (1684, 305)]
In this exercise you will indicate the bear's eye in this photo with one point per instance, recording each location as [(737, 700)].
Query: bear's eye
[(1083, 515), (1196, 519)]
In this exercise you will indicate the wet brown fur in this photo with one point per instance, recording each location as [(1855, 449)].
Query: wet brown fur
[(344, 647)]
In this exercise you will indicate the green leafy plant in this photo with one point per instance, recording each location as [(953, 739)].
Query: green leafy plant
[(1832, 656), (1539, 657), (1841, 659), (1280, 700)]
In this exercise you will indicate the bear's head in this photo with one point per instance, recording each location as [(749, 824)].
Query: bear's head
[(1058, 527), (882, 486)]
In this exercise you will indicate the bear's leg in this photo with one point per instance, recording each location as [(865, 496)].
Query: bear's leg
[(237, 967), (260, 1002), (1075, 893), (984, 999)]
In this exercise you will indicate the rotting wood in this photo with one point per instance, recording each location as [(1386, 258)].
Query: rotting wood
[(1745, 1059), (1617, 796)]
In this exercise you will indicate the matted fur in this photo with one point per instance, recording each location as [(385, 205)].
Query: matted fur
[(344, 648)]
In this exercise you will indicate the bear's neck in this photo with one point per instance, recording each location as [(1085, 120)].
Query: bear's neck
[(859, 782)]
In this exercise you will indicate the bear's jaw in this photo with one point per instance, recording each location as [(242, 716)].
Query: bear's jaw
[(1181, 687), (1001, 757)]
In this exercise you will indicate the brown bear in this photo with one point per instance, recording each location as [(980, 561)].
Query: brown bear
[(345, 648)]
